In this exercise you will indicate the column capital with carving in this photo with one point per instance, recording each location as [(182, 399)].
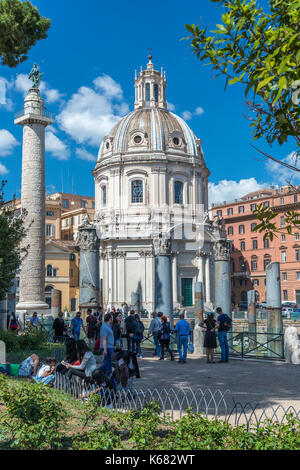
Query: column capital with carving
[(222, 250), (87, 239)]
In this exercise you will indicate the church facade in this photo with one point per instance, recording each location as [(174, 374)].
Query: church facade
[(151, 180)]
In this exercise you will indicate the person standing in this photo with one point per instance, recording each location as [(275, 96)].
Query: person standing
[(183, 330), (210, 339), (138, 333), (224, 324), (91, 322), (129, 330), (76, 324), (117, 331), (107, 342), (165, 338), (154, 329), (58, 328), (13, 324)]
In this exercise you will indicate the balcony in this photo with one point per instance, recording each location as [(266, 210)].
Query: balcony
[(35, 111)]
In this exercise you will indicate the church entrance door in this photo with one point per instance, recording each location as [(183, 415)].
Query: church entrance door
[(187, 291)]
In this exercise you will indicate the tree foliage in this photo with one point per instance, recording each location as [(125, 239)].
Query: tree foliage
[(11, 233), (260, 50), (21, 26)]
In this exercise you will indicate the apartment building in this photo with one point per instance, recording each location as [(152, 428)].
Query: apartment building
[(251, 253)]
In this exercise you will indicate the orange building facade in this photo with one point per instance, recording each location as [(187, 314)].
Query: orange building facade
[(251, 253)]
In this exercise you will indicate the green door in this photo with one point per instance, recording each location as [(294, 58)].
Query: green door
[(187, 291)]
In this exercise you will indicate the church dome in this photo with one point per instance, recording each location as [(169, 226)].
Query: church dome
[(150, 127)]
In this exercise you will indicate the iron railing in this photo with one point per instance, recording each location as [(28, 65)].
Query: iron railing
[(264, 345), (35, 111)]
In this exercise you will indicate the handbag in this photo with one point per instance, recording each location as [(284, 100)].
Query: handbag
[(191, 348)]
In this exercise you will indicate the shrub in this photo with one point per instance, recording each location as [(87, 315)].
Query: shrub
[(31, 339), (100, 439), (32, 417)]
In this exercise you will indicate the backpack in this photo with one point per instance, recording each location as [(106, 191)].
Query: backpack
[(228, 321), (139, 328), (165, 330)]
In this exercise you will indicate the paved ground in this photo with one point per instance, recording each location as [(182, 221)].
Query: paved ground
[(257, 382)]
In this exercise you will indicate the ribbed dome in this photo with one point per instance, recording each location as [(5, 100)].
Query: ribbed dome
[(151, 130)]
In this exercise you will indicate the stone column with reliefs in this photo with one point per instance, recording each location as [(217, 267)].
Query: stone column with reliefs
[(222, 250), (163, 276), (88, 243), (34, 119)]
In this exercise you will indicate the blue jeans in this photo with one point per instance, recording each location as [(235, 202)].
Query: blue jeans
[(183, 342), (107, 360), (157, 345), (222, 337), (76, 334), (137, 345), (45, 380)]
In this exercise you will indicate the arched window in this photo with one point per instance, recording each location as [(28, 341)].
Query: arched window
[(178, 192), (147, 92), (49, 270), (156, 92), (103, 195), (137, 191)]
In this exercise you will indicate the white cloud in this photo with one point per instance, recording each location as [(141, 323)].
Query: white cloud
[(7, 142), (109, 87), (199, 111), (5, 102), (89, 114), (3, 170), (55, 146), (282, 175), (171, 106), (228, 190), (83, 154), (22, 84), (53, 96), (188, 115)]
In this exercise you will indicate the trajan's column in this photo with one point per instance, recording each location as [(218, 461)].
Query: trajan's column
[(34, 119)]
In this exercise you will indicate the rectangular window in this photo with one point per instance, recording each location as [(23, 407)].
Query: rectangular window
[(65, 203), (283, 256), (285, 295), (253, 226), (283, 238), (83, 204), (253, 207), (254, 244), (266, 243), (72, 220), (295, 198), (255, 282), (254, 265), (178, 192), (298, 276), (50, 213), (50, 230), (230, 230), (267, 204), (243, 246), (241, 209), (219, 212), (297, 255), (266, 262), (282, 200), (284, 276), (78, 220), (282, 221), (93, 204), (67, 222), (230, 211), (241, 229)]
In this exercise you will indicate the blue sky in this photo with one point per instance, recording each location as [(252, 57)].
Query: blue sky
[(88, 61)]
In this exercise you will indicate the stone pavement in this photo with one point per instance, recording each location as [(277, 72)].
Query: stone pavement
[(253, 381)]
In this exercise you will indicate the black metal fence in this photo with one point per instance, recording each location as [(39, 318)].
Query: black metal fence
[(262, 345)]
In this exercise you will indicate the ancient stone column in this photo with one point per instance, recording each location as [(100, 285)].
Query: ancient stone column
[(274, 321), (34, 120), (252, 318), (222, 249), (88, 243), (55, 302), (135, 302), (163, 276)]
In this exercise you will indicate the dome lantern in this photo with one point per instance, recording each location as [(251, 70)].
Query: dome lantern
[(150, 88)]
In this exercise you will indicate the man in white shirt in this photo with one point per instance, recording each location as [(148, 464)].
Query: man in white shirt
[(154, 328)]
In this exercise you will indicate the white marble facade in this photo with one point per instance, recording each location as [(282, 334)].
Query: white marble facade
[(150, 173)]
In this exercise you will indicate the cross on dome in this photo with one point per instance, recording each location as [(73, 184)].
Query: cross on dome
[(150, 87)]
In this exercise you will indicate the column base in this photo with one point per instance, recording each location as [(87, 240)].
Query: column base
[(39, 305)]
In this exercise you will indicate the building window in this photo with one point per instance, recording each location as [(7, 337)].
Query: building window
[(78, 220), (178, 192), (73, 305), (243, 246), (267, 261), (67, 222), (283, 238), (267, 204), (148, 93), (72, 220), (219, 213), (254, 244), (295, 198), (266, 243), (93, 204), (282, 221), (296, 236), (253, 226), (298, 276), (283, 256), (241, 229), (253, 207), (285, 295), (297, 255), (230, 211), (241, 209), (65, 203), (50, 213), (49, 270), (282, 200), (243, 266), (103, 195), (137, 191), (83, 204), (230, 230), (156, 92), (254, 265), (256, 282), (284, 276), (55, 272), (50, 230)]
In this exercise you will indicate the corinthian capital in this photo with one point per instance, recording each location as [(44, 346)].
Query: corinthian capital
[(162, 246), (87, 239), (222, 250)]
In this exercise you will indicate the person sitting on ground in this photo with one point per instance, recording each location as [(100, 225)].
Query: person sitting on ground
[(35, 321), (29, 367), (165, 338), (183, 330), (58, 328), (138, 334), (70, 358), (45, 374), (210, 339), (87, 362)]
